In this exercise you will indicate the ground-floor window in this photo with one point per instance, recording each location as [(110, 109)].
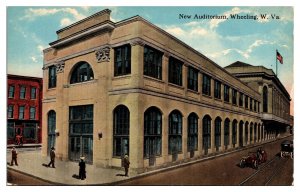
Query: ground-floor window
[(30, 131), (218, 133), (175, 133), (226, 132), (234, 131), (192, 132), (121, 131), (10, 130), (81, 133), (246, 132), (152, 132), (206, 133), (251, 132)]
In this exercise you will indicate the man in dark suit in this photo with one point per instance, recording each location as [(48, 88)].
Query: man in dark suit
[(52, 158)]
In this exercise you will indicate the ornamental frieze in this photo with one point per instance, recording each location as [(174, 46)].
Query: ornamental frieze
[(60, 66), (102, 55)]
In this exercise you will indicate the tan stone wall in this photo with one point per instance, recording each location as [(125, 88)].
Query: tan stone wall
[(137, 92)]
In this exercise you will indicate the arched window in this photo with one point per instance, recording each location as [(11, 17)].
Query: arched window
[(152, 132), (251, 131), (255, 132), (265, 99), (51, 129), (218, 121), (234, 131), (226, 132), (206, 133), (246, 131), (121, 131), (192, 132), (82, 72), (175, 132)]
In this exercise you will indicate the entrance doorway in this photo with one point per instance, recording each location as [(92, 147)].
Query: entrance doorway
[(81, 146)]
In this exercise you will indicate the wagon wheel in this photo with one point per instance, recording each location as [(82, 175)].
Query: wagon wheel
[(242, 163), (255, 164)]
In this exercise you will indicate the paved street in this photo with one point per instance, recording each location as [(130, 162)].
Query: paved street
[(218, 171)]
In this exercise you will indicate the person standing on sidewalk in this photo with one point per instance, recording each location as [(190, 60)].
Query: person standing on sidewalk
[(52, 158), (126, 164), (82, 172), (14, 155)]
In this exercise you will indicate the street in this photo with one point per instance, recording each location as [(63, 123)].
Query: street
[(224, 170)]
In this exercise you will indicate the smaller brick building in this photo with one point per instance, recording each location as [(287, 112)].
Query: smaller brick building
[(24, 109)]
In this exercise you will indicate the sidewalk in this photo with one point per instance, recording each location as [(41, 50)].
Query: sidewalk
[(30, 163)]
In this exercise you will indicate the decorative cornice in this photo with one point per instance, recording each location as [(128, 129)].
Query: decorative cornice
[(137, 42), (102, 54)]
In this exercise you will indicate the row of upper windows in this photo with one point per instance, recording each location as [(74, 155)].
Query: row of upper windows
[(22, 92), (153, 68), (21, 115)]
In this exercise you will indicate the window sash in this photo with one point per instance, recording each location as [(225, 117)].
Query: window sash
[(175, 71), (22, 92), (11, 92), (10, 111), (122, 60), (152, 62), (33, 93), (192, 79), (217, 92), (21, 112), (32, 112), (52, 77), (206, 85)]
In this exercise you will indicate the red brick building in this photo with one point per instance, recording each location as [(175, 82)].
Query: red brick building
[(24, 109)]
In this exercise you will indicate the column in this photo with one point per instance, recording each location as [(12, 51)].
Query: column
[(137, 61), (165, 136), (184, 137)]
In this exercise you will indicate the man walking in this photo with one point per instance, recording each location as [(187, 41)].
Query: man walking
[(14, 155), (126, 164), (82, 172), (52, 158)]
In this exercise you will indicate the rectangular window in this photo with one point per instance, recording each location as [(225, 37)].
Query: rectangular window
[(217, 89), (206, 84), (175, 71), (122, 60), (32, 112), (52, 77), (241, 99), (226, 93), (152, 62), (22, 92), (10, 111), (251, 102), (234, 96), (192, 79), (21, 112), (33, 93), (246, 102), (11, 91)]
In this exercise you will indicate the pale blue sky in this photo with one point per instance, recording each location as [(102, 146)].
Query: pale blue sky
[(31, 29)]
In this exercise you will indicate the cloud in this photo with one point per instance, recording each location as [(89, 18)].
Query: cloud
[(176, 31), (214, 23), (65, 22), (32, 13), (199, 31), (33, 59)]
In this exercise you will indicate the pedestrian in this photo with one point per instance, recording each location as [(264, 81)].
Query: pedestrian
[(82, 172), (126, 164), (14, 155), (52, 158)]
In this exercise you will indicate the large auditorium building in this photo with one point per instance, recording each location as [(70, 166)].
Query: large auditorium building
[(129, 87)]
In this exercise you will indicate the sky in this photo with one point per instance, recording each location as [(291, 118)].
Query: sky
[(253, 41)]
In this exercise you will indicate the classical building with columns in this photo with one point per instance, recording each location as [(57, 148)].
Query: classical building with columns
[(129, 87)]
